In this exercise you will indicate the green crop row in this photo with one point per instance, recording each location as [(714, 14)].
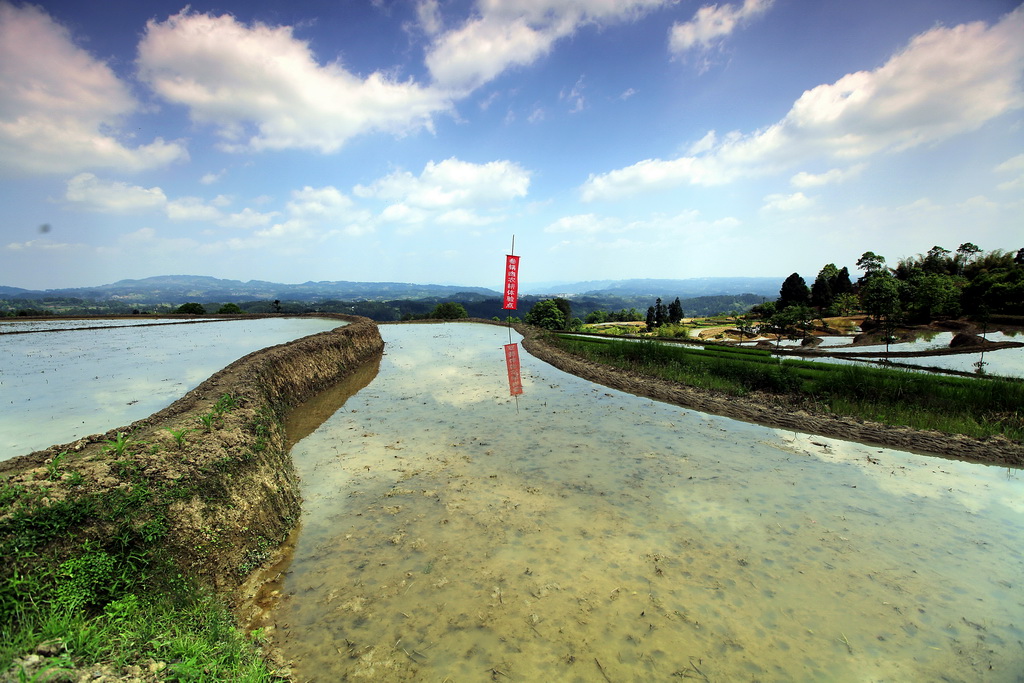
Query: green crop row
[(977, 407)]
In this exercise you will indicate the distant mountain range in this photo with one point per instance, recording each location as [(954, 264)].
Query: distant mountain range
[(177, 289)]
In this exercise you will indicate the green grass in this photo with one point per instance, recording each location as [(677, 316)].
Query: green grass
[(976, 407), (112, 595)]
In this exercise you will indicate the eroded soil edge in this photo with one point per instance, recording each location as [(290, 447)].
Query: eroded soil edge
[(780, 412), (234, 489)]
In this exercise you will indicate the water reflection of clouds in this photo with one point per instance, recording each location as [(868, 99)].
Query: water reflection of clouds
[(66, 385), (974, 488), (472, 371), (592, 509)]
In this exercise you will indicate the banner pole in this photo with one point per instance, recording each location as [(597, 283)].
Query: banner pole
[(508, 318)]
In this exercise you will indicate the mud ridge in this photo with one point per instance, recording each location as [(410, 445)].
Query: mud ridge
[(775, 411), (237, 492)]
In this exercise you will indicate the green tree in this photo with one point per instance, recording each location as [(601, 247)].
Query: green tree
[(660, 313), (546, 314), (870, 263), (937, 261), (675, 312), (933, 295), (794, 292), (229, 309), (191, 308), (764, 310), (793, 322), (565, 306), (842, 284), (880, 295), (965, 253), (449, 311), (844, 304), (596, 317)]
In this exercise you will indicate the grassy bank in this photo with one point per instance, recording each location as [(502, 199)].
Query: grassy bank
[(91, 584), (974, 407), (123, 553)]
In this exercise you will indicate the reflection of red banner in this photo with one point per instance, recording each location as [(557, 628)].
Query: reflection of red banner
[(515, 379), (511, 283)]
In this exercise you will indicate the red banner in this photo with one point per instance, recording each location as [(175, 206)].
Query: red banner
[(511, 283), (515, 379)]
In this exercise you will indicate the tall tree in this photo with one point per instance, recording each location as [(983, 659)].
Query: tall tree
[(675, 312), (870, 263), (965, 253), (936, 261), (880, 296), (660, 313), (565, 306), (821, 290), (794, 291), (842, 283)]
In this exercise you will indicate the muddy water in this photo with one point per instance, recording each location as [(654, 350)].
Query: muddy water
[(580, 534)]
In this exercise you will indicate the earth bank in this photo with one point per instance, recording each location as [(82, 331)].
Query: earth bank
[(206, 482)]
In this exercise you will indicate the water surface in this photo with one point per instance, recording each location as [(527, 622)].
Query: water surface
[(59, 386), (451, 532)]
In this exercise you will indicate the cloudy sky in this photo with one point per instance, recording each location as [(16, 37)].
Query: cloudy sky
[(409, 140)]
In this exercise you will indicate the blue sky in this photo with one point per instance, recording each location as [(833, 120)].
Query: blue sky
[(410, 140)]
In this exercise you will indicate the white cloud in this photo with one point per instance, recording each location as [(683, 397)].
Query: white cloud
[(506, 33), (712, 23), (403, 213), (1013, 165), (429, 14), (833, 176), (574, 96), (211, 178), (112, 196), (464, 217), (62, 108), (191, 209), (659, 234), (262, 88), (589, 223), (322, 202), (786, 202), (247, 218), (946, 82), (452, 183), (42, 244)]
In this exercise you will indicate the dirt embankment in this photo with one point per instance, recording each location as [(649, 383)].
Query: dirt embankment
[(232, 483), (777, 411)]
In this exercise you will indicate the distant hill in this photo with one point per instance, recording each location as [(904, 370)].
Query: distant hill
[(176, 289), (387, 300), (685, 288)]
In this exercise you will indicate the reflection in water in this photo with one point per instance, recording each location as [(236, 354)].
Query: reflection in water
[(512, 365), (59, 386), (302, 421), (599, 536)]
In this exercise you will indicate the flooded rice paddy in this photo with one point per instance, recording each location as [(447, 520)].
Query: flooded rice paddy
[(66, 383), (451, 532)]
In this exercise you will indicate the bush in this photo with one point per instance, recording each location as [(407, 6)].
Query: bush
[(191, 309), (449, 311)]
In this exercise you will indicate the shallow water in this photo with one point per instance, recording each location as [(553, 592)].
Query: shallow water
[(56, 387), (16, 325), (450, 532)]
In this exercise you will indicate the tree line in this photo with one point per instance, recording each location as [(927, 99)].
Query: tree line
[(939, 284)]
